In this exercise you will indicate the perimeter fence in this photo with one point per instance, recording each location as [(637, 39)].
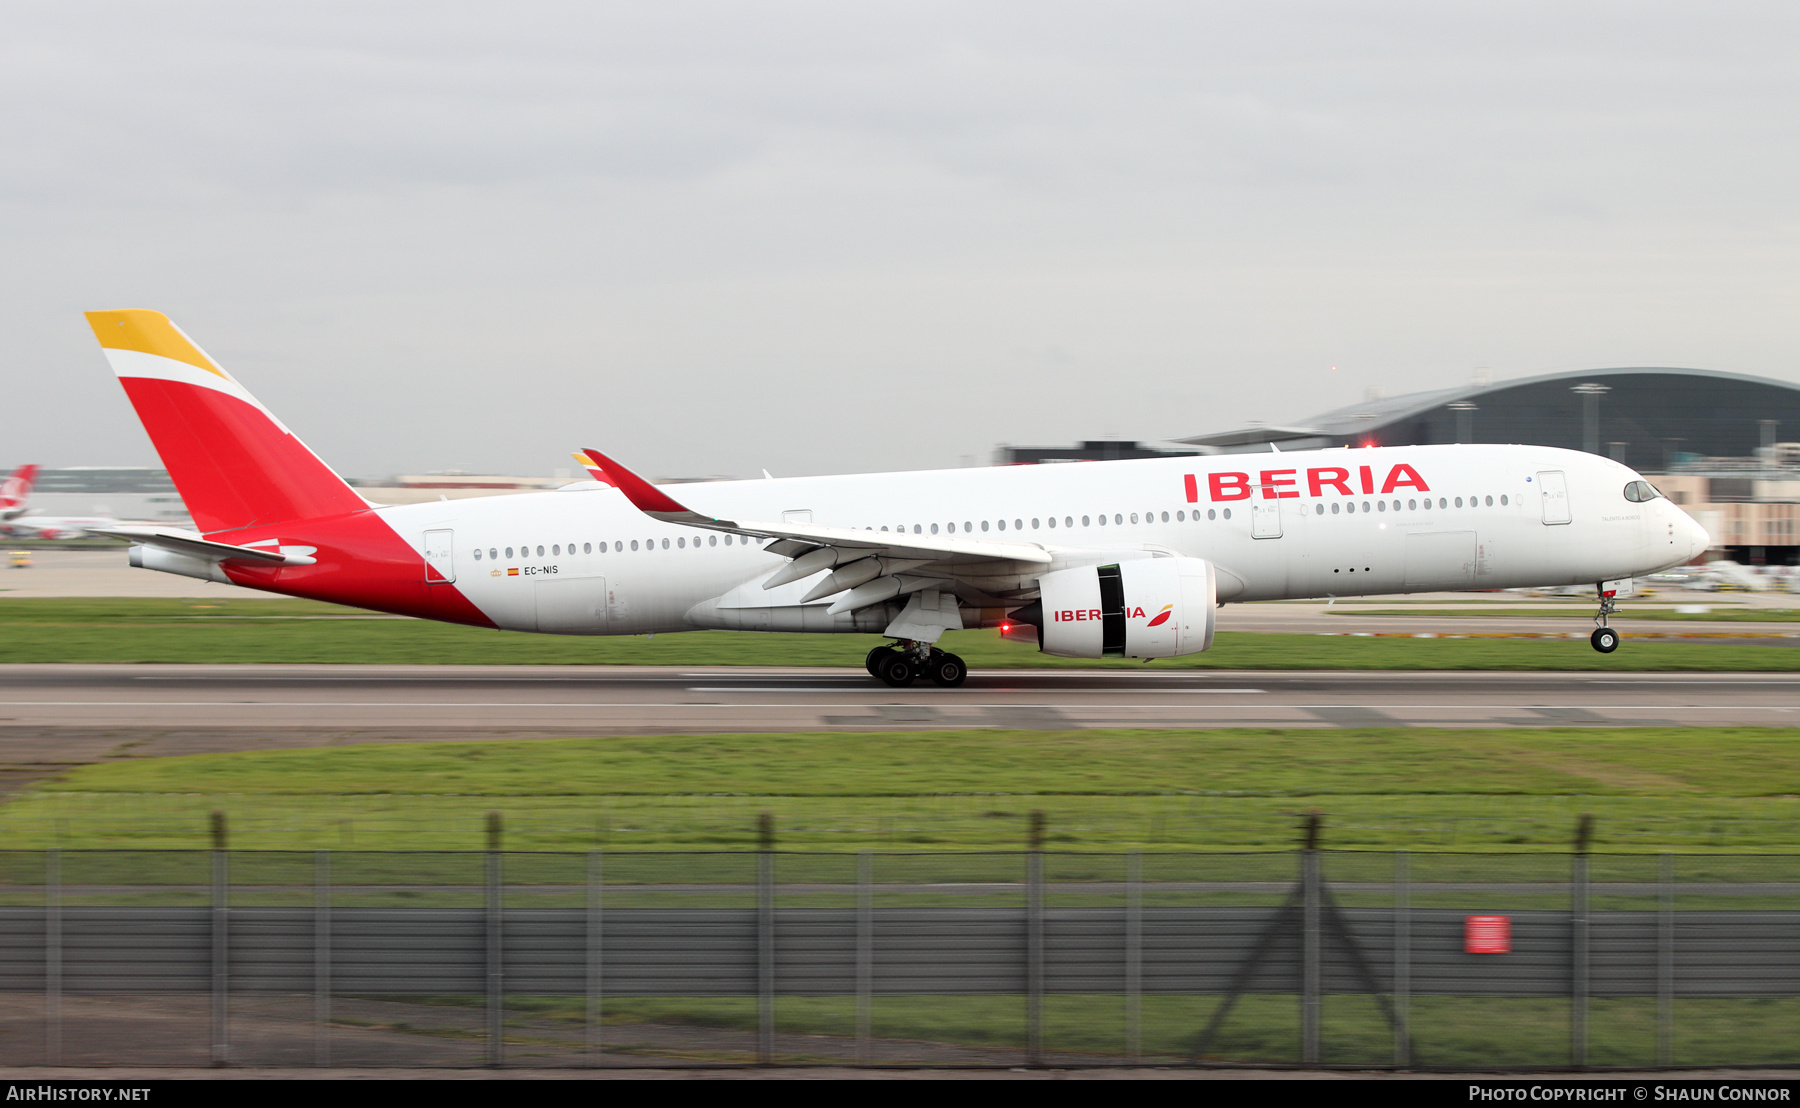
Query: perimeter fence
[(1034, 957)]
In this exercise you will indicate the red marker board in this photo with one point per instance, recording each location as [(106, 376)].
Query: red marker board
[(1487, 934)]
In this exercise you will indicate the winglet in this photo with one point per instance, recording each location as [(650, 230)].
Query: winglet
[(592, 468), (644, 496)]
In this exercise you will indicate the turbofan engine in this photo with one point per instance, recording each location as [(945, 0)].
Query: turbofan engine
[(1142, 608)]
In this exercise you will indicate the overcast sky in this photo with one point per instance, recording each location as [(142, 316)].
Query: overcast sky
[(854, 236)]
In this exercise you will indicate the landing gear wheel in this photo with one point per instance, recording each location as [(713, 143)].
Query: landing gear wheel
[(1605, 640), (947, 670), (898, 670), (873, 662)]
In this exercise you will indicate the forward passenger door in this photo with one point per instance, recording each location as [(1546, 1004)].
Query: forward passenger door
[(1553, 490)]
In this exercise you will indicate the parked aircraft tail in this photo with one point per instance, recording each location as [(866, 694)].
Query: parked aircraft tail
[(15, 491), (233, 462)]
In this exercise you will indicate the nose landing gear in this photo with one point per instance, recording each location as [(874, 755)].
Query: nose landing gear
[(1604, 638), (900, 664)]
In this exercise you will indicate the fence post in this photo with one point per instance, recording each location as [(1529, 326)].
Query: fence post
[(220, 938), (321, 958), (1034, 942), (496, 982), (53, 957), (865, 954), (1665, 961), (1402, 958), (765, 939), (1134, 957), (1578, 945), (596, 980), (1310, 942)]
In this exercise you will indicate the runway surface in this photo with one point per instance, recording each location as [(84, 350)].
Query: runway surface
[(427, 702)]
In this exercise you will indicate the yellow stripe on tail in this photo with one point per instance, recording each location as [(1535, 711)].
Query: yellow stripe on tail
[(149, 332)]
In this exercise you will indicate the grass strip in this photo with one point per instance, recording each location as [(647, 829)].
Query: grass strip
[(304, 632), (1488, 789)]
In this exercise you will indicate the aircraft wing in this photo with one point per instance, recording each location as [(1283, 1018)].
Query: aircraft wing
[(877, 565)]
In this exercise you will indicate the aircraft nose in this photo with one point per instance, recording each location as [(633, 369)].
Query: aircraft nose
[(1695, 536)]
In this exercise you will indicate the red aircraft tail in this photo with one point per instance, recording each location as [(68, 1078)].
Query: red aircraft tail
[(15, 491), (233, 462)]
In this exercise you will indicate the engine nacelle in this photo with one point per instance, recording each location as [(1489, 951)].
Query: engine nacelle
[(1141, 608)]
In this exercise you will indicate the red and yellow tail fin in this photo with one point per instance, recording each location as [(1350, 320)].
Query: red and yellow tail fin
[(233, 462), (16, 490)]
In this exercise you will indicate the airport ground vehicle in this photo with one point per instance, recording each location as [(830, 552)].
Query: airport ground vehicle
[(1128, 558)]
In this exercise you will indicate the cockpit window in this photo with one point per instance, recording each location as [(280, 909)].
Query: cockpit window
[(1639, 491)]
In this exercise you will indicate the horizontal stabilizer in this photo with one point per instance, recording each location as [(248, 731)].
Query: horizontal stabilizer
[(196, 546)]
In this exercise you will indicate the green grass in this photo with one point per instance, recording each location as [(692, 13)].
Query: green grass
[(1734, 762), (307, 632), (1492, 789)]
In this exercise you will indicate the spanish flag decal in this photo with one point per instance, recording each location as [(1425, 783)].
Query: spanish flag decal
[(512, 571)]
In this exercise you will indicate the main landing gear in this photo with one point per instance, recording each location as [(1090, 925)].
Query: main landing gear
[(900, 664), (1604, 638)]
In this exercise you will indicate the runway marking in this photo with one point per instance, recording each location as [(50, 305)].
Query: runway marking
[(865, 689), (746, 688)]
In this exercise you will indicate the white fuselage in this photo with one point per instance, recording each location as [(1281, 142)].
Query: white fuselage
[(1277, 525)]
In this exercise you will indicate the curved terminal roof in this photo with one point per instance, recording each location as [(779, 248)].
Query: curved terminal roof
[(1647, 416)]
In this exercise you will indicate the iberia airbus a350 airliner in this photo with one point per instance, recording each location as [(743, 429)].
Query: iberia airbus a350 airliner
[(1108, 559)]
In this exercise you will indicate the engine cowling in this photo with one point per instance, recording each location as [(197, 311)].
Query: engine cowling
[(1141, 608)]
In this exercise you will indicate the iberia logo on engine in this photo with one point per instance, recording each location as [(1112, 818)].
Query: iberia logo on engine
[(1078, 615)]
